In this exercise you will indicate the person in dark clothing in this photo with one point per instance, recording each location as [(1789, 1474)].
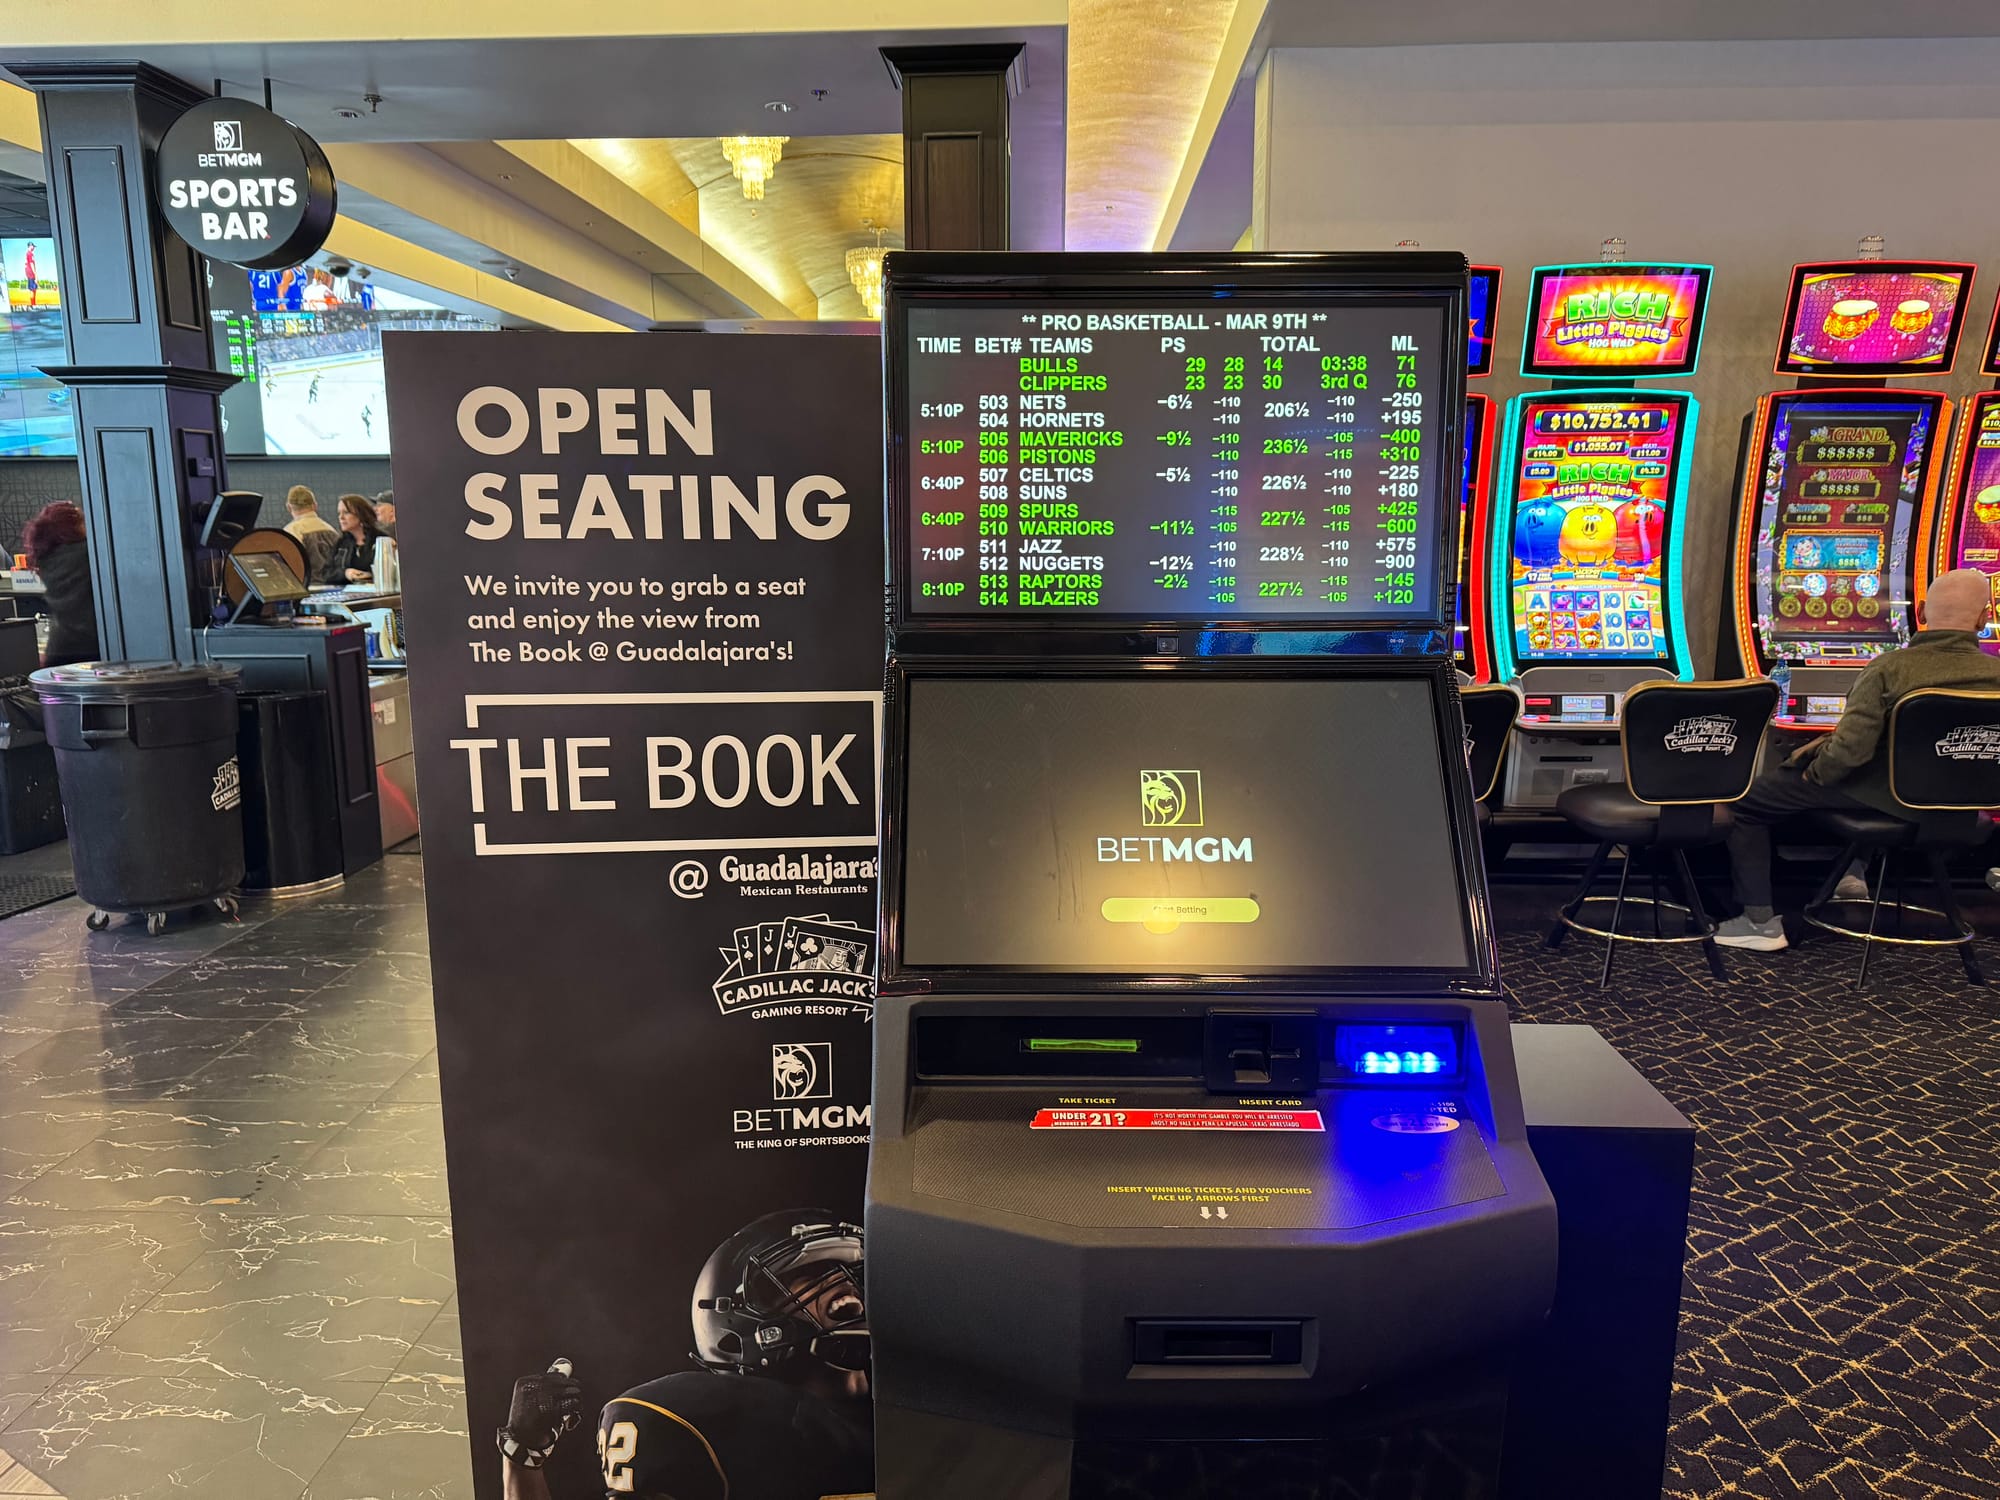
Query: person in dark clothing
[(1849, 768), (353, 559), (56, 550)]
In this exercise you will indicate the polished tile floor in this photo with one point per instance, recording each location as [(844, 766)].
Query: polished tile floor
[(225, 1246)]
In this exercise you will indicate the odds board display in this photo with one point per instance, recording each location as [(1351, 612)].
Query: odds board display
[(1180, 458)]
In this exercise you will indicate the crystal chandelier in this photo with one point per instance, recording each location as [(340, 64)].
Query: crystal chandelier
[(864, 269), (753, 158)]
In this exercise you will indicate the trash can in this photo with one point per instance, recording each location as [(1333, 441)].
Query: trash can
[(291, 810), (30, 805), (146, 753)]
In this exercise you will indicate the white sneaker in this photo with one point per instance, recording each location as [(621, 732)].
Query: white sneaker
[(1764, 937), (1851, 888)]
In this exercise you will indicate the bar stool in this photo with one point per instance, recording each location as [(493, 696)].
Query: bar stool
[(1490, 711), (1690, 749), (1944, 765)]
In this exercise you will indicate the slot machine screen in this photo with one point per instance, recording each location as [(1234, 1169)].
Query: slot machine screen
[(1478, 425), (1598, 481), (1176, 457), (1874, 318), (1482, 308), (1163, 824), (1977, 486), (1841, 485), (1600, 321)]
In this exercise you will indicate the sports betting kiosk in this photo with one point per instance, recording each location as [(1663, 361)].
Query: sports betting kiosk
[(1837, 479), (1967, 530), (1585, 546), (1471, 651), (1195, 1114)]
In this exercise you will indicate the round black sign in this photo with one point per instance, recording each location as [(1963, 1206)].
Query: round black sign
[(244, 186)]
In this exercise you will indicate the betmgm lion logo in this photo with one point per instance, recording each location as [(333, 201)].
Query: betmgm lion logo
[(1711, 734), (1971, 742), (802, 1070), (1170, 799), (229, 135)]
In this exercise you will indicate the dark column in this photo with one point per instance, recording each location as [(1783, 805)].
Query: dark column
[(955, 151), (135, 311)]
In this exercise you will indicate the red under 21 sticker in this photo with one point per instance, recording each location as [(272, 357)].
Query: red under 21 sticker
[(1177, 1119)]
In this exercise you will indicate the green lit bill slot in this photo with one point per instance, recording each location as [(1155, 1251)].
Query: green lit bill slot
[(1082, 1044)]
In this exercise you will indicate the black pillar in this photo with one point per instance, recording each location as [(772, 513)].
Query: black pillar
[(955, 147), (135, 313)]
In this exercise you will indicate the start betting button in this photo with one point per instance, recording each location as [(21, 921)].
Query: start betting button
[(1156, 915)]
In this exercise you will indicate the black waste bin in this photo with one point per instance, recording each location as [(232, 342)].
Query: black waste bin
[(291, 808), (30, 805), (146, 753)]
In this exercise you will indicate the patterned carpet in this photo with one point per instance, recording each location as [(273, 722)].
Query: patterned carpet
[(1839, 1324)]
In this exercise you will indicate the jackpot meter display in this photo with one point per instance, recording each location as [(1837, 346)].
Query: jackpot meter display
[(1874, 317), (1202, 459), (1841, 485), (1583, 561), (1176, 824), (1602, 321)]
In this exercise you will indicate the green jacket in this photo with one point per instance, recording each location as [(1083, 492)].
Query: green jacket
[(1856, 757)]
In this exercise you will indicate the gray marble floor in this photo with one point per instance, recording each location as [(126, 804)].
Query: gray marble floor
[(225, 1246)]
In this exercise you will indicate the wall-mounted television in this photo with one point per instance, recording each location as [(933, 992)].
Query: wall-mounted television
[(35, 419)]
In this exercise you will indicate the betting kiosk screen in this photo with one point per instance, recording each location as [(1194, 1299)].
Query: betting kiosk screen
[(1598, 480), (1604, 321), (1842, 486), (1976, 488), (1874, 317), (1197, 460), (1177, 824)]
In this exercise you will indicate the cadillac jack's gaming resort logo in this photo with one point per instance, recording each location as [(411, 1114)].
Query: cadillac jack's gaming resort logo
[(1707, 734), (802, 1070), (1971, 742), (800, 966), (1170, 799)]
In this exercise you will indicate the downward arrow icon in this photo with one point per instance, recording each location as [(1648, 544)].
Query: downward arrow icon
[(1222, 1213), (1204, 1210)]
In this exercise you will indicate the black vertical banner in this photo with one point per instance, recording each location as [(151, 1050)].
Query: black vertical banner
[(643, 600)]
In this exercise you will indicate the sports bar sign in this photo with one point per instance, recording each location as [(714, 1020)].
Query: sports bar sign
[(242, 185)]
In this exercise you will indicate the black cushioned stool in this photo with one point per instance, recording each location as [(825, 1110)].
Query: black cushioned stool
[(1944, 766), (1490, 711), (1690, 749)]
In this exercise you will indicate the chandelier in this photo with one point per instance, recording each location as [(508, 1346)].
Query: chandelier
[(864, 269), (753, 158)]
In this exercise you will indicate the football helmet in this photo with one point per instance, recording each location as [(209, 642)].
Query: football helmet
[(781, 1290)]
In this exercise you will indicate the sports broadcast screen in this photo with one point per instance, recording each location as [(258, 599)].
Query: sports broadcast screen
[(1208, 461), (306, 347), (1842, 482), (1602, 320), (1175, 824), (1874, 317), (1482, 310), (1977, 544), (1596, 484), (35, 413)]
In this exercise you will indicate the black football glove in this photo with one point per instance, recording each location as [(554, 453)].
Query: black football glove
[(544, 1408)]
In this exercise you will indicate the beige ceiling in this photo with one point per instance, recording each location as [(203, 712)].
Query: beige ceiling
[(795, 242), (1139, 74)]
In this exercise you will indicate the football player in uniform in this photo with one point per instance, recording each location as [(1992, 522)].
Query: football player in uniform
[(778, 1409)]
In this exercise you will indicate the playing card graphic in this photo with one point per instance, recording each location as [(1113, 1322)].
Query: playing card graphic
[(801, 958)]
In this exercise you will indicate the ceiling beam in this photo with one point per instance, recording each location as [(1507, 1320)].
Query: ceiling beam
[(1230, 63)]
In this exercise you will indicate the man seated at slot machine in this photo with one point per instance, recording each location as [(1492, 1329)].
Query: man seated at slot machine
[(1850, 767)]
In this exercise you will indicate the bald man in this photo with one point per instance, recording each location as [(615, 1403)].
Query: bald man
[(1850, 767)]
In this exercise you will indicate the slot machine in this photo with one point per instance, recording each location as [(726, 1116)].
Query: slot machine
[(1471, 650), (1838, 479), (1966, 533), (1585, 545)]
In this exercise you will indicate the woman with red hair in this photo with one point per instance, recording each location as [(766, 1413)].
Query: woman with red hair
[(56, 550)]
